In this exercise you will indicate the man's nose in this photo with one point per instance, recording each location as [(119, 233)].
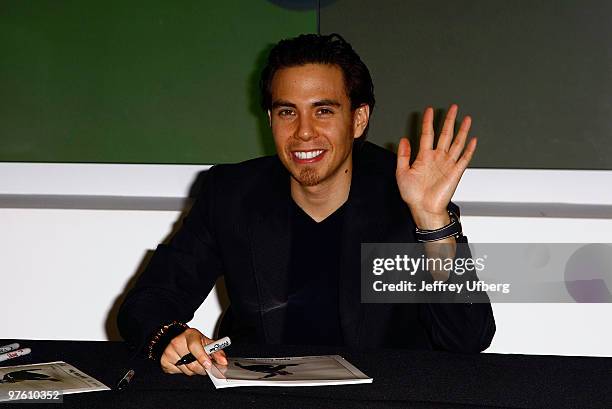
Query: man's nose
[(305, 130)]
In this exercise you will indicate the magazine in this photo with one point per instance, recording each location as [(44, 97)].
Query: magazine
[(288, 371), (45, 381)]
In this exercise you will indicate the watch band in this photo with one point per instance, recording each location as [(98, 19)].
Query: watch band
[(453, 229)]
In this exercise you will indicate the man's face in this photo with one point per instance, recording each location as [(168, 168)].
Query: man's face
[(312, 122)]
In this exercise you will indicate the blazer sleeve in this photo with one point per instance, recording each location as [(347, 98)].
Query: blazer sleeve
[(179, 275), (460, 327)]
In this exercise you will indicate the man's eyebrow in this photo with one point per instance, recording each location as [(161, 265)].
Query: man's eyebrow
[(326, 102), (281, 103), (323, 102)]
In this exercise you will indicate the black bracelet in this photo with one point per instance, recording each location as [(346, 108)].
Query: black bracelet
[(453, 229), (162, 337)]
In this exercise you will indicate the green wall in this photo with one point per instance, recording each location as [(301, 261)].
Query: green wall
[(137, 82)]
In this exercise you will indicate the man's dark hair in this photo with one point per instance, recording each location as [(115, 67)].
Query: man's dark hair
[(329, 49)]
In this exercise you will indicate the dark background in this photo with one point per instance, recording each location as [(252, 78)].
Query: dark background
[(175, 82), (536, 76)]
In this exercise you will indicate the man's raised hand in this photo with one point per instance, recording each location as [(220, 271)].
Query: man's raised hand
[(428, 184)]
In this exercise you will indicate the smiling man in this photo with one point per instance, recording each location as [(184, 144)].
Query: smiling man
[(314, 126), (285, 231)]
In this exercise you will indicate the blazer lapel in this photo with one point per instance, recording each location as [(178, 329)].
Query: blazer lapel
[(270, 250), (364, 222)]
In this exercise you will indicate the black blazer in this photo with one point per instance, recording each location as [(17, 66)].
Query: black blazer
[(239, 227)]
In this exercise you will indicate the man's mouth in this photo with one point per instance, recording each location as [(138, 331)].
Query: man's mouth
[(308, 156)]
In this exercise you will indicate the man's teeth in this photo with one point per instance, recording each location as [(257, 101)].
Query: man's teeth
[(307, 155)]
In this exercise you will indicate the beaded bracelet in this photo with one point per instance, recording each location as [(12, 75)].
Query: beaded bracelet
[(160, 340)]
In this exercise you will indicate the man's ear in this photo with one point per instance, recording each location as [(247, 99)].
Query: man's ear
[(269, 118), (361, 117)]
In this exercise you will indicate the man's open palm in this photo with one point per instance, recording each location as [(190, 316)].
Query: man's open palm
[(427, 185)]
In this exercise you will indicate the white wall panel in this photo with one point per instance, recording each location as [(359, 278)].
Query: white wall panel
[(61, 270)]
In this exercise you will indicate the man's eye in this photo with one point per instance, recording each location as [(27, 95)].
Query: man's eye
[(285, 112), (325, 111)]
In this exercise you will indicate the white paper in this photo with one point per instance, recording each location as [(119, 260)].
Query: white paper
[(288, 371), (49, 376)]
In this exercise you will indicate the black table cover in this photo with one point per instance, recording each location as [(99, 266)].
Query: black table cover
[(402, 379)]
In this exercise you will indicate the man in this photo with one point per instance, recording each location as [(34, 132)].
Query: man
[(286, 230)]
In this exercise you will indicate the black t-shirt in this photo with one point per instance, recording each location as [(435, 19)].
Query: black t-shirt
[(313, 317)]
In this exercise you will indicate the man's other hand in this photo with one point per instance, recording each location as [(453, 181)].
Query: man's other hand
[(190, 341)]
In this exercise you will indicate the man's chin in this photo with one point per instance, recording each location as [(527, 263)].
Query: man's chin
[(308, 177)]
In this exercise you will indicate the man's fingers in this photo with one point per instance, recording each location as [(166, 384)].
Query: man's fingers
[(184, 369), (459, 142), (196, 367), (169, 367), (220, 357), (427, 130), (465, 159), (195, 344), (448, 129), (168, 360), (171, 357), (403, 155)]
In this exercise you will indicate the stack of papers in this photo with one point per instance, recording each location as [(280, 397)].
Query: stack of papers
[(20, 381), (290, 371)]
